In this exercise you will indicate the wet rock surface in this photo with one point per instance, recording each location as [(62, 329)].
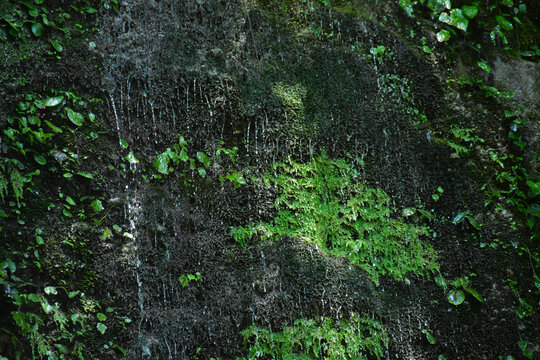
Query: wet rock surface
[(209, 70), (246, 74)]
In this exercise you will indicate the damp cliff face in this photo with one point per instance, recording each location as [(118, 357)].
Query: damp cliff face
[(198, 103)]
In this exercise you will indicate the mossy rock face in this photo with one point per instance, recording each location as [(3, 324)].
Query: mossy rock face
[(284, 82), (277, 79)]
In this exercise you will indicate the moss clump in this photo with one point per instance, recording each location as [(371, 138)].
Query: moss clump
[(320, 338), (324, 202)]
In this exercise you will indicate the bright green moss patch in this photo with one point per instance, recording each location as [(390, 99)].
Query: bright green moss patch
[(319, 339), (325, 202)]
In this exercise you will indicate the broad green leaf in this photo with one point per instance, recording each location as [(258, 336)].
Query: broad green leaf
[(183, 280), (28, 4), (203, 158), (162, 163), (484, 66), (21, 320), (54, 101), (46, 307), (50, 290), (202, 172), (459, 20), (131, 158), (456, 297), (101, 328), (56, 45), (173, 155), (101, 317), (124, 144), (430, 337), (443, 35), (97, 205), (68, 175), (34, 298), (445, 18), (504, 22), (40, 159), (106, 234), (75, 117), (85, 174), (9, 264), (534, 188), (470, 11), (474, 293), (183, 156), (92, 117), (34, 120), (473, 222), (56, 129), (408, 211), (460, 216), (37, 29), (72, 294), (70, 201)]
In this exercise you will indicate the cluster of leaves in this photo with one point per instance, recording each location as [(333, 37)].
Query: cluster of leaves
[(463, 140), (179, 154), (32, 132), (36, 126), (522, 188), (456, 296), (26, 19), (502, 16), (186, 278), (398, 89), (358, 338), (55, 321), (326, 203)]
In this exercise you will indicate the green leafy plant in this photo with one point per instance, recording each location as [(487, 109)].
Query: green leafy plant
[(463, 140), (501, 16), (456, 296), (528, 353), (467, 214), (179, 154), (325, 203), (186, 278), (429, 336)]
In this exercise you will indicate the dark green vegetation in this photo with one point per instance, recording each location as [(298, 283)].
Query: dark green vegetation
[(375, 161)]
